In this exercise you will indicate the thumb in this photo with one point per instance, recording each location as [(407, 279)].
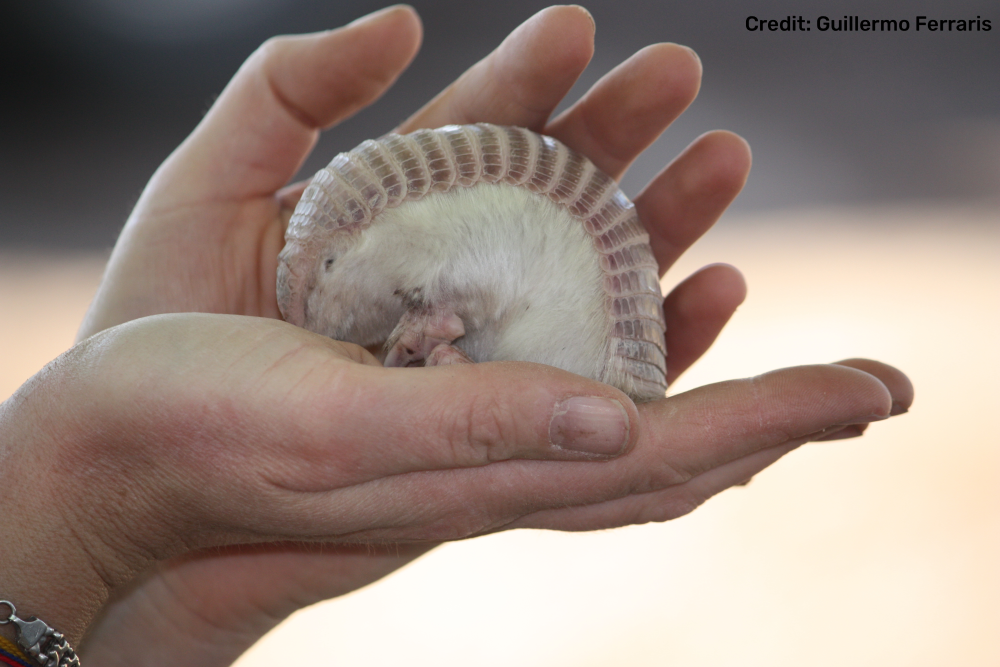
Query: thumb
[(372, 422), (304, 413)]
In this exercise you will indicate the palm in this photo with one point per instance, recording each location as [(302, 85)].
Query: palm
[(205, 235), (194, 256)]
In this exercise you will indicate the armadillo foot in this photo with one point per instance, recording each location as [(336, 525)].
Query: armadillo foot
[(421, 330)]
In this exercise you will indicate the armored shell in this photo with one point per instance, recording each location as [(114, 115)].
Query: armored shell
[(508, 229)]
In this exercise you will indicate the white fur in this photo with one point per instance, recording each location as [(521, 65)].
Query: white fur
[(520, 271)]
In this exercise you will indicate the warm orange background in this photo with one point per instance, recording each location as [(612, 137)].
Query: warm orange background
[(883, 550)]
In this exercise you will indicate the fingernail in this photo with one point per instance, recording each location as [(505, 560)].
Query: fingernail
[(589, 424), (897, 410)]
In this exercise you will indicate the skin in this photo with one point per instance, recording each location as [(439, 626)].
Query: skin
[(209, 472)]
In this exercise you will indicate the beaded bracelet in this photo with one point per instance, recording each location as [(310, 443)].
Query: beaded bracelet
[(40, 641)]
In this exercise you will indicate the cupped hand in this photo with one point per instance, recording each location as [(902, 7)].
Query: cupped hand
[(204, 237), (210, 474), (205, 232), (174, 434)]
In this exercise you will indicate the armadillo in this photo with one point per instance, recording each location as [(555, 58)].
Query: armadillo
[(477, 243)]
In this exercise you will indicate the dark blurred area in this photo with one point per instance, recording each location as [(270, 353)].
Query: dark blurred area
[(96, 93)]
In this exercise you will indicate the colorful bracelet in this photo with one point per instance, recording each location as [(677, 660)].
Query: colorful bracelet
[(39, 642), (11, 654)]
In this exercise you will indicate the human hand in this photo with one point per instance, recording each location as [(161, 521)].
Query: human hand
[(205, 234), (210, 474), (179, 433)]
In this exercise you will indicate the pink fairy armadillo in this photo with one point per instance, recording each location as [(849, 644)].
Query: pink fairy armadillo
[(477, 243)]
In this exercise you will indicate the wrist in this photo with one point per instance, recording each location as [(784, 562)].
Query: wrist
[(42, 570), (53, 565)]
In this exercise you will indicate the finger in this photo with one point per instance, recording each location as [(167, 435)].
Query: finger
[(630, 106), (232, 412), (267, 119), (745, 416), (687, 197), (523, 80), (895, 380), (656, 506), (785, 424), (325, 403), (446, 417), (679, 499), (682, 437), (696, 311)]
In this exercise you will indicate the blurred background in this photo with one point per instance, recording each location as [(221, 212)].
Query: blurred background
[(870, 226), (98, 92)]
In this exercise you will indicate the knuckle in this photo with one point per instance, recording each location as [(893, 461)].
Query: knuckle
[(479, 430)]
